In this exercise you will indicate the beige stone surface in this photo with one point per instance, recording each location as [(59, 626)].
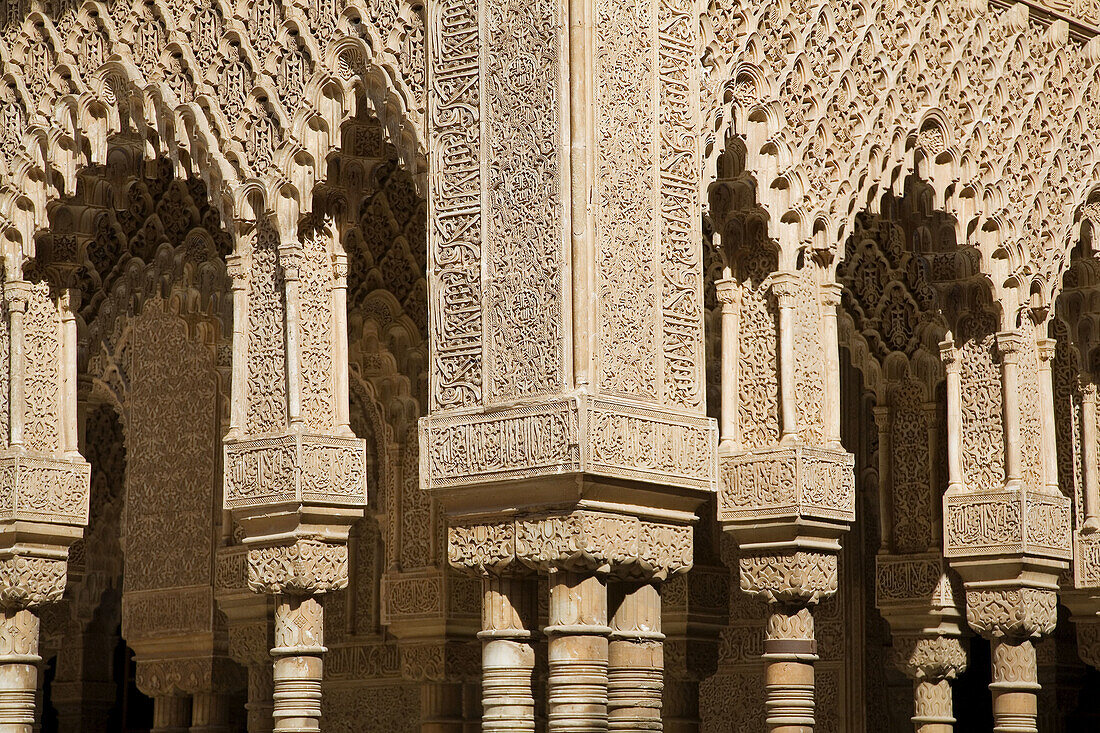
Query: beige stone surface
[(568, 365)]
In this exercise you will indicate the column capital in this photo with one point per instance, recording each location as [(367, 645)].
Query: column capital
[(1010, 344), (949, 355), (798, 578), (929, 657), (727, 292), (785, 287), (302, 567), (1048, 348), (1013, 613), (831, 294)]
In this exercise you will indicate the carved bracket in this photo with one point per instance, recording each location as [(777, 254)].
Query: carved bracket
[(909, 582), (796, 578)]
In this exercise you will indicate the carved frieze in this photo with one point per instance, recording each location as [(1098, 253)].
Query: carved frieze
[(299, 468), (599, 437), (37, 488), (1001, 522), (167, 611), (29, 582), (787, 482), (912, 580)]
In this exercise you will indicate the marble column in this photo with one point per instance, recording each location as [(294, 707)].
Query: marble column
[(171, 714), (577, 652), (635, 683), (932, 662), (508, 655), (298, 650), (19, 664)]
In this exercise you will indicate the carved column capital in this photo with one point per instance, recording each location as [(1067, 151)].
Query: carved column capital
[(831, 293), (929, 657), (949, 355), (237, 267), (784, 287), (1009, 345), (303, 567), (30, 582), (727, 291), (794, 578), (1047, 348), (1013, 613)]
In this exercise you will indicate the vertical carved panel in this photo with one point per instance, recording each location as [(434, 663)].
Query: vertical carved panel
[(626, 130), (1067, 423), (1031, 430), (982, 454), (42, 326), (266, 340), (524, 236), (318, 393), (809, 360), (455, 210), (680, 256), (172, 442), (758, 386), (5, 368), (910, 470)]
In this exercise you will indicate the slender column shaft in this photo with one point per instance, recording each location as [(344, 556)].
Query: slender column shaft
[(19, 663), (340, 331), (291, 257), (790, 651), (829, 302), (171, 714), (785, 292), (69, 429), (259, 705), (885, 483), (1015, 686), (635, 678), (441, 707), (935, 474), (507, 655), (932, 711), (727, 295), (577, 652), (954, 415), (1091, 465), (17, 306), (1009, 345), (299, 644), (209, 713), (1046, 396), (238, 403)]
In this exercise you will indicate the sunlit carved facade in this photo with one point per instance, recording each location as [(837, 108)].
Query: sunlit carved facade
[(559, 365)]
